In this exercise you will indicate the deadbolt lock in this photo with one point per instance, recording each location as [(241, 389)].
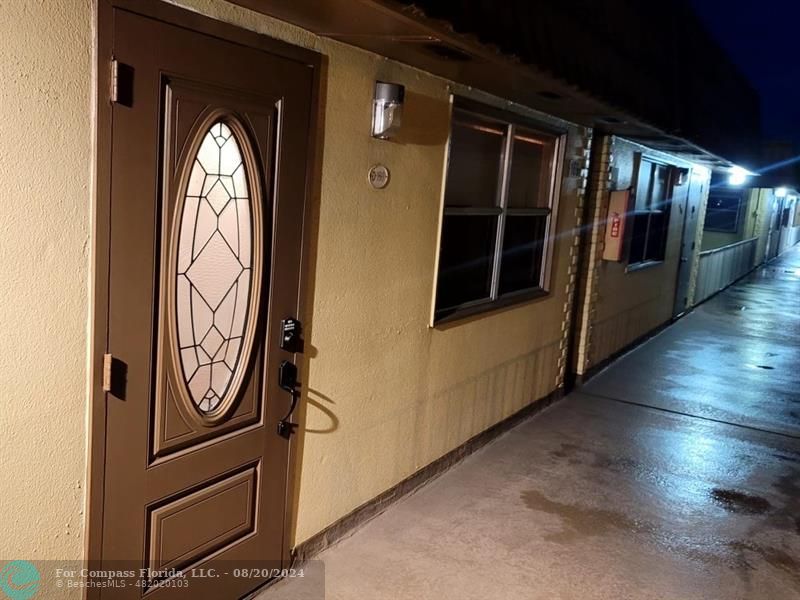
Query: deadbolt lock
[(291, 335)]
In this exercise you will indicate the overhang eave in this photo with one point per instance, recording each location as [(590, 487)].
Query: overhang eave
[(404, 34)]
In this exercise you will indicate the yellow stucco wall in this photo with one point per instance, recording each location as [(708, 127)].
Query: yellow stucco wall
[(45, 157), (762, 200), (625, 305), (751, 223), (387, 394)]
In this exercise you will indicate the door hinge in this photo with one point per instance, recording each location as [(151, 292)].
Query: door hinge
[(121, 83), (115, 376), (108, 361)]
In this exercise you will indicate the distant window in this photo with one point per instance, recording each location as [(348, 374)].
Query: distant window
[(722, 212), (650, 218), (499, 192), (787, 213)]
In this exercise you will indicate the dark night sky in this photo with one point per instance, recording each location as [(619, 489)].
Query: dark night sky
[(761, 37)]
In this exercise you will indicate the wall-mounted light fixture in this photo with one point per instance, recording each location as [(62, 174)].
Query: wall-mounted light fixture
[(737, 175), (780, 192), (387, 109)]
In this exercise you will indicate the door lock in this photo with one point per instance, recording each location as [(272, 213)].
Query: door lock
[(291, 335), (287, 381)]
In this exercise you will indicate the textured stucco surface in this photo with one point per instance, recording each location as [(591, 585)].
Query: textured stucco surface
[(625, 305), (45, 150), (386, 394), (673, 475), (753, 222), (764, 200)]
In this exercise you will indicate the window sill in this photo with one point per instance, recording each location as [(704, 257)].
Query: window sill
[(463, 314), (728, 231), (647, 264)]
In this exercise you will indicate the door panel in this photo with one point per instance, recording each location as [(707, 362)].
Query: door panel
[(776, 229), (208, 225), (208, 171), (690, 210), (195, 524)]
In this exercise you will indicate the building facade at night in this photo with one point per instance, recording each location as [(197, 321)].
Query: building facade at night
[(205, 207)]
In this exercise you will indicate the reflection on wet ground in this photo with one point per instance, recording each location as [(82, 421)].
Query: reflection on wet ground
[(733, 359), (674, 474), (740, 502)]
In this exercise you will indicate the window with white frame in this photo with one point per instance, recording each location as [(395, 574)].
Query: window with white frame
[(499, 203), (650, 218)]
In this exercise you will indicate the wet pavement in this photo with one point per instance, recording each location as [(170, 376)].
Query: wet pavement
[(674, 474), (734, 358)]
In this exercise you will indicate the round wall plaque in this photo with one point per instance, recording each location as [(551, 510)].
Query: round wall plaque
[(378, 177)]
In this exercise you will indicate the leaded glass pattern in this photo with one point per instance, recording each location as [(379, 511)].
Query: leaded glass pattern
[(214, 268)]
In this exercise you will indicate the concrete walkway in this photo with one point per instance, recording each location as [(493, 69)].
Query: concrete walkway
[(674, 474)]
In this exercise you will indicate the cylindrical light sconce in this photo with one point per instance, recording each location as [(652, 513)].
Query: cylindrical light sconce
[(387, 109)]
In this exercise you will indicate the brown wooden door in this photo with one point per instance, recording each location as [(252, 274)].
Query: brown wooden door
[(208, 174)]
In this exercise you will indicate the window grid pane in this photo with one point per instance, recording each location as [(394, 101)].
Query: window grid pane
[(659, 192), (465, 270), (722, 213), (650, 220), (498, 196), (531, 164), (475, 163), (523, 251), (641, 221), (644, 185), (656, 236)]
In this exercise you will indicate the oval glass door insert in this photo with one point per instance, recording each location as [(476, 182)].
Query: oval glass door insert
[(214, 278)]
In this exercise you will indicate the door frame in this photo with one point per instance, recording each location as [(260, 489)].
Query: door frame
[(770, 228), (686, 204), (779, 226), (101, 206)]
